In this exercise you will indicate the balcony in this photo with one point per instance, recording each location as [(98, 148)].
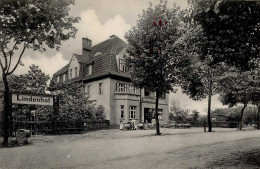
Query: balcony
[(127, 96), (147, 99)]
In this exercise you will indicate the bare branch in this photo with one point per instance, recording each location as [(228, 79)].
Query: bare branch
[(1, 66), (11, 54), (5, 57), (21, 54)]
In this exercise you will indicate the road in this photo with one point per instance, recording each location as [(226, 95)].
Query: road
[(177, 148)]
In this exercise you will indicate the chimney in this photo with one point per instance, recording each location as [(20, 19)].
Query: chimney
[(112, 36), (86, 44)]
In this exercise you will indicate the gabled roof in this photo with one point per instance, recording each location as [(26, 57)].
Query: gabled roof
[(113, 45), (62, 70), (80, 58), (105, 62)]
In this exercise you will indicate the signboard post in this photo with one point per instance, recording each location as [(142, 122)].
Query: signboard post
[(31, 99)]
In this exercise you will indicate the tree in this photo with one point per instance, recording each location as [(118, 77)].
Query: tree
[(236, 88), (220, 32), (30, 24), (34, 82), (74, 104), (232, 27), (200, 78), (177, 113), (195, 115), (152, 61)]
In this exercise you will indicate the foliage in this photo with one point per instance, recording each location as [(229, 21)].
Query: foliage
[(30, 24), (35, 81), (199, 79), (181, 115), (73, 103), (234, 114), (152, 60), (240, 87), (232, 30), (100, 113)]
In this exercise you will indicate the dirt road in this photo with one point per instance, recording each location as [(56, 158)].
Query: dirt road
[(177, 148)]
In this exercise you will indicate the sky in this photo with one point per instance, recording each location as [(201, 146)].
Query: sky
[(99, 20)]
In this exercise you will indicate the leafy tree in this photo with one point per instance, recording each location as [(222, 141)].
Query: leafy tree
[(195, 115), (74, 104), (219, 32), (100, 113), (35, 82), (152, 61), (200, 78), (236, 89), (255, 89), (179, 114), (232, 30), (30, 24)]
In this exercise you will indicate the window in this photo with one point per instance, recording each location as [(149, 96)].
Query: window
[(87, 89), (122, 66), (97, 53), (76, 71), (131, 89), (58, 78), (125, 88), (146, 92), (64, 77), (160, 112), (71, 73), (132, 112), (100, 88), (120, 87), (89, 69), (122, 111)]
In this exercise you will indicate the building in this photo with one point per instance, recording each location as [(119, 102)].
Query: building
[(102, 70)]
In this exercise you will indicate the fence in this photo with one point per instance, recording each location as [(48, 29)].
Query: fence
[(57, 127)]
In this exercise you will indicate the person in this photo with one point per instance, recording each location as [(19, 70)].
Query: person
[(146, 125), (121, 125), (133, 124), (204, 124)]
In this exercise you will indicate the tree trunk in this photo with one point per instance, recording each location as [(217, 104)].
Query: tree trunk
[(156, 114), (209, 106), (241, 117), (7, 110), (258, 117)]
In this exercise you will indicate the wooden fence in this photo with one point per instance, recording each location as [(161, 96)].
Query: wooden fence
[(57, 127)]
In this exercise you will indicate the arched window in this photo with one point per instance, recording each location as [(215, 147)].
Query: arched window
[(97, 53)]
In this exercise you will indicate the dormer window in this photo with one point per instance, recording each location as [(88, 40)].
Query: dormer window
[(122, 66), (89, 69), (97, 53)]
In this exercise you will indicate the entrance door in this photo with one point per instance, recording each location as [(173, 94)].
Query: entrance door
[(147, 115)]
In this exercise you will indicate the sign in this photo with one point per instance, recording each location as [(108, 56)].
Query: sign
[(32, 99)]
